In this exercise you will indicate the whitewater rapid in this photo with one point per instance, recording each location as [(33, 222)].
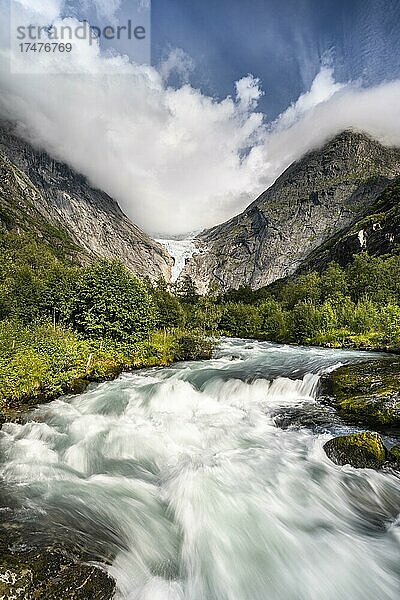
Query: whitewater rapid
[(181, 479)]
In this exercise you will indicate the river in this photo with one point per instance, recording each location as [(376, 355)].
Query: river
[(208, 481)]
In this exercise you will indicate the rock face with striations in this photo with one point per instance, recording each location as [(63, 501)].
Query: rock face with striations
[(40, 195), (377, 232), (325, 192)]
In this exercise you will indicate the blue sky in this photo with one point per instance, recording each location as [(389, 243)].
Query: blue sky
[(281, 41)]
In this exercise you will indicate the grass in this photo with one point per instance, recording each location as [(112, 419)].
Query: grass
[(39, 362)]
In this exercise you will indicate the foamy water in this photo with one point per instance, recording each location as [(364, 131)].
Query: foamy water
[(181, 477)]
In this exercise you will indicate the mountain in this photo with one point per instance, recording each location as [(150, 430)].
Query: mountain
[(324, 193), (377, 232), (48, 198)]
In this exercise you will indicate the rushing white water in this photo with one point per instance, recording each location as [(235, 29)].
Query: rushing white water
[(181, 251), (183, 477)]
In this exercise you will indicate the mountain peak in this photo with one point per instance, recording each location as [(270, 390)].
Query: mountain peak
[(324, 192)]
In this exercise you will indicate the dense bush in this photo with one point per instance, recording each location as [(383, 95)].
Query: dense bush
[(390, 324), (356, 306), (241, 320), (274, 320), (168, 310), (110, 302)]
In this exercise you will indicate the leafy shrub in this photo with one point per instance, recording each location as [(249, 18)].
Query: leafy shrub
[(273, 320), (192, 345), (390, 324), (110, 302), (365, 317), (168, 310), (204, 315), (304, 322), (327, 317), (241, 320), (334, 282)]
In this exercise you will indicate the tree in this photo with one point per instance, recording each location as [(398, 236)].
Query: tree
[(306, 288), (241, 320), (273, 321), (390, 323), (327, 317), (169, 313), (58, 293), (365, 317), (304, 322), (334, 282), (187, 290), (366, 278), (111, 302), (205, 315)]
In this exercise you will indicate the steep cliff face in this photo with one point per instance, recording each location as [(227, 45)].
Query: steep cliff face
[(377, 232), (318, 196), (19, 199), (51, 193)]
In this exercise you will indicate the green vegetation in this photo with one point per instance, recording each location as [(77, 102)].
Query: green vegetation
[(63, 326), (355, 307)]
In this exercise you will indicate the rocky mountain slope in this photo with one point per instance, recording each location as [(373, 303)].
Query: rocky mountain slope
[(377, 232), (40, 195), (324, 193)]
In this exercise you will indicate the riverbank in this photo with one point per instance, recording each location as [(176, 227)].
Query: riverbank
[(39, 363)]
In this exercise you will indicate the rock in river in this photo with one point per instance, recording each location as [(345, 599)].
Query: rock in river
[(367, 393), (360, 450), (31, 568)]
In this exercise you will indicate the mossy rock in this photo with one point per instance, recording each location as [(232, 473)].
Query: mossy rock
[(394, 455), (367, 393), (40, 570), (360, 450)]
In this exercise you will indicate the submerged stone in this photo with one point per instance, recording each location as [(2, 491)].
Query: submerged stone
[(309, 414), (360, 450)]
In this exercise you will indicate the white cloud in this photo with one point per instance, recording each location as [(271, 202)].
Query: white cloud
[(176, 159), (248, 92), (107, 9), (177, 62), (42, 12), (374, 110), (322, 89)]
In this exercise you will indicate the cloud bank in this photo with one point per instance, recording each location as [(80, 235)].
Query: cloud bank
[(175, 159)]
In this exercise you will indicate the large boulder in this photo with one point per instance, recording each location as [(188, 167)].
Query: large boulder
[(360, 450), (367, 393)]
